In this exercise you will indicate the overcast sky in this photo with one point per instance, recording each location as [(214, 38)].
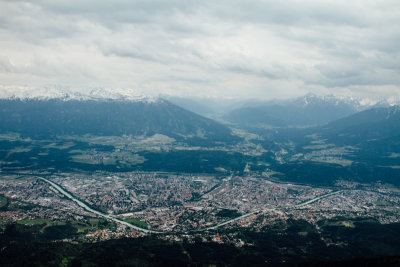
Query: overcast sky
[(240, 49)]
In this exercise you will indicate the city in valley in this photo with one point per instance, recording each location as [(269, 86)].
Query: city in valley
[(177, 206)]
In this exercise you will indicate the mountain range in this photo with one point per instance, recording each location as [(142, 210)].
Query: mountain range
[(309, 110), (367, 125), (106, 117), (305, 111), (348, 140)]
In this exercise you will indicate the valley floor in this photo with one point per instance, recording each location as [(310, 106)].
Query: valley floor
[(182, 203)]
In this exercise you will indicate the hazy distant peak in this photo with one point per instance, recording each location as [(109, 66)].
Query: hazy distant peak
[(313, 99), (356, 103), (66, 94), (394, 110)]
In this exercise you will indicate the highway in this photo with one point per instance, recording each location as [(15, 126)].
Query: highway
[(318, 198), (86, 207), (273, 210)]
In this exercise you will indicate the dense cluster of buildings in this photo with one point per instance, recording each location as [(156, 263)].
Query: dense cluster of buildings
[(182, 203)]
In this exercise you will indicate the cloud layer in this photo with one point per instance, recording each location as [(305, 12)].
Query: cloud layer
[(230, 48)]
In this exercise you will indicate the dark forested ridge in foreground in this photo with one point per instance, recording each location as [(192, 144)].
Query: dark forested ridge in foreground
[(283, 244)]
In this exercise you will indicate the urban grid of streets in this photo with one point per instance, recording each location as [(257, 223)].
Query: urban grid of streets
[(182, 203)]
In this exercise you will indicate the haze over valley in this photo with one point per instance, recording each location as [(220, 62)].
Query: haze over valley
[(183, 133)]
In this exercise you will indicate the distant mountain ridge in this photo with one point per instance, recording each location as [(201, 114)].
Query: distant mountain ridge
[(107, 117), (64, 93), (309, 110), (375, 123)]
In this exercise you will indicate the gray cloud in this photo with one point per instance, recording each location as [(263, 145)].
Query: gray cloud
[(224, 48)]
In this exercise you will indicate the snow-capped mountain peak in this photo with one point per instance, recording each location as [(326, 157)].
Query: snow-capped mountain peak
[(65, 93)]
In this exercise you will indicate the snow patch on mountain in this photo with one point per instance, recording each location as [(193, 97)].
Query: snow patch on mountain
[(66, 93), (357, 103)]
